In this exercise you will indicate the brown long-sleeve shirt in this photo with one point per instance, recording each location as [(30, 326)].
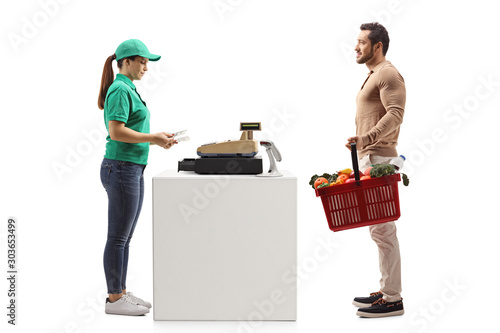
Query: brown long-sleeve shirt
[(379, 112)]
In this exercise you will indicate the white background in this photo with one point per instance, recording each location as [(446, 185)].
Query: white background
[(290, 65)]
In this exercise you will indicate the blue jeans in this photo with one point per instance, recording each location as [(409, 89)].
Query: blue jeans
[(124, 184)]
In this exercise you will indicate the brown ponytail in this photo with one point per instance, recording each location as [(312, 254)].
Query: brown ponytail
[(107, 79)]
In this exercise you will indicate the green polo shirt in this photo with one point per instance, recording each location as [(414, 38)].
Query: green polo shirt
[(124, 104)]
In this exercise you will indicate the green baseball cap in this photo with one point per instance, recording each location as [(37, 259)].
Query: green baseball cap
[(134, 47)]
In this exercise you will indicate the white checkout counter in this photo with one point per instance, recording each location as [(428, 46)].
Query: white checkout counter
[(224, 247)]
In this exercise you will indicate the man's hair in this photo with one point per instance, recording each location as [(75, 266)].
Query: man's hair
[(377, 34)]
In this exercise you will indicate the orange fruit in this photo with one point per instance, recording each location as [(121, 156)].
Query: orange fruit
[(343, 176), (320, 181)]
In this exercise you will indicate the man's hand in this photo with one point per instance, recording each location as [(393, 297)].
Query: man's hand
[(357, 139)]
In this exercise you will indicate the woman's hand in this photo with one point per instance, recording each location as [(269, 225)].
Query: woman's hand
[(118, 132), (164, 140)]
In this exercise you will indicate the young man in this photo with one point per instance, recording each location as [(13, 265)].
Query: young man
[(379, 113)]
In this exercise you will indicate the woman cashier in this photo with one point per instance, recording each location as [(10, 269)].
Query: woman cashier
[(127, 121)]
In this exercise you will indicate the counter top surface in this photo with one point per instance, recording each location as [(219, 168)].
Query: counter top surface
[(172, 174)]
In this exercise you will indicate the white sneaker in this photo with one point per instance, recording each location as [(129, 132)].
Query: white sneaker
[(125, 306), (138, 300)]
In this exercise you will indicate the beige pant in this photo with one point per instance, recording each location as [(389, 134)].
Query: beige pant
[(384, 235)]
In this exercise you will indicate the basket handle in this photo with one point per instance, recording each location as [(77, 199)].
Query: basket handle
[(355, 165)]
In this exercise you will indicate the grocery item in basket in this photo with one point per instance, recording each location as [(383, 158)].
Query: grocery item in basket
[(398, 162), (386, 169), (319, 181), (330, 177), (383, 169), (346, 171)]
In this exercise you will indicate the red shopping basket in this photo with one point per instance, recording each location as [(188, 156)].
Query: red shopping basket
[(361, 203)]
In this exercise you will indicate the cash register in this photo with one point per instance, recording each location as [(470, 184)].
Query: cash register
[(228, 157)]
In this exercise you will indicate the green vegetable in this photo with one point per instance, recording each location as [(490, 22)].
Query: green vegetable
[(330, 177), (323, 185), (380, 170), (406, 180), (313, 179)]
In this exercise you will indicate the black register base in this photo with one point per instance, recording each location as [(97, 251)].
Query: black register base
[(222, 165)]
